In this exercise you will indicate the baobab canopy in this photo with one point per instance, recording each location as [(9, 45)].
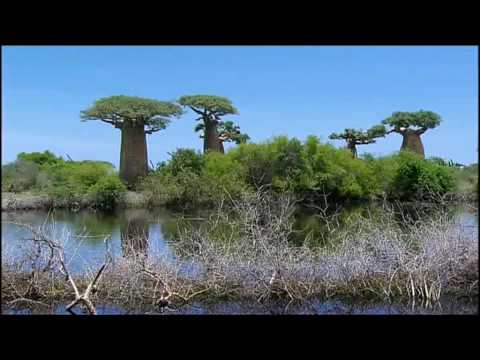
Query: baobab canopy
[(210, 108), (411, 125), (419, 121), (136, 111), (209, 104), (135, 117), (359, 137)]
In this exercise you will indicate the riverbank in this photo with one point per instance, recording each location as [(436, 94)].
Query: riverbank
[(30, 201), (131, 200)]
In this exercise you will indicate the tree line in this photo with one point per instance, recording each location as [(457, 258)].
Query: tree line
[(136, 117)]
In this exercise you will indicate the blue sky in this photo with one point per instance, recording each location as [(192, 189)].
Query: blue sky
[(288, 90)]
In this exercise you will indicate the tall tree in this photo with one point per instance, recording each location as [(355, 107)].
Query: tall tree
[(135, 117), (210, 108), (411, 125), (227, 132), (355, 137)]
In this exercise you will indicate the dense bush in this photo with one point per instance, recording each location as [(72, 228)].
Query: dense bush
[(185, 160), (308, 169), (190, 179), (39, 158), (67, 179), (420, 179), (61, 180), (19, 175), (467, 180), (107, 191)]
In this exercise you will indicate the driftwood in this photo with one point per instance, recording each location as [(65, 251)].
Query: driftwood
[(84, 299), (57, 252)]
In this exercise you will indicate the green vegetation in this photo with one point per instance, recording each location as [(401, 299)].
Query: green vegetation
[(191, 179), (309, 170), (63, 180), (467, 180)]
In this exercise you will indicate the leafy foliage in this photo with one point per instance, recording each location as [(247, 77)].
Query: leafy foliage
[(185, 159), (40, 158), (133, 111), (359, 137), (421, 120), (107, 191), (60, 179), (419, 179), (20, 175), (467, 180), (214, 104)]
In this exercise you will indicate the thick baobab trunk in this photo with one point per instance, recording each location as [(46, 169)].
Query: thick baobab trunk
[(133, 154), (413, 142), (210, 139), (353, 148)]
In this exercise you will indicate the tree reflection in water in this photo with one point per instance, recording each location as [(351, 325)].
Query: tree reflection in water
[(134, 233)]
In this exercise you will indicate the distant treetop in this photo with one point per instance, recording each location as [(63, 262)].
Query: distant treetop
[(360, 137), (208, 105)]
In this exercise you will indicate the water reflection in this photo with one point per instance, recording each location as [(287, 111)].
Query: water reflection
[(134, 232), (312, 307)]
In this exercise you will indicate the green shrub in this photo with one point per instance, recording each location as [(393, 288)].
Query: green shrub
[(191, 180), (278, 163), (20, 175), (61, 180), (223, 175), (328, 170), (420, 179), (257, 161), (467, 180), (68, 179), (40, 158), (107, 191), (184, 159)]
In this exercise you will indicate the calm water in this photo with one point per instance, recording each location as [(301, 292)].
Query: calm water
[(87, 229), (315, 307)]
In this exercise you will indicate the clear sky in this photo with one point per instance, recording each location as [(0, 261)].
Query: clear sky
[(290, 90)]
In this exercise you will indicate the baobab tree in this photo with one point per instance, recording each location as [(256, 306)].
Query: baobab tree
[(355, 137), (227, 132), (411, 125), (210, 108), (135, 117)]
